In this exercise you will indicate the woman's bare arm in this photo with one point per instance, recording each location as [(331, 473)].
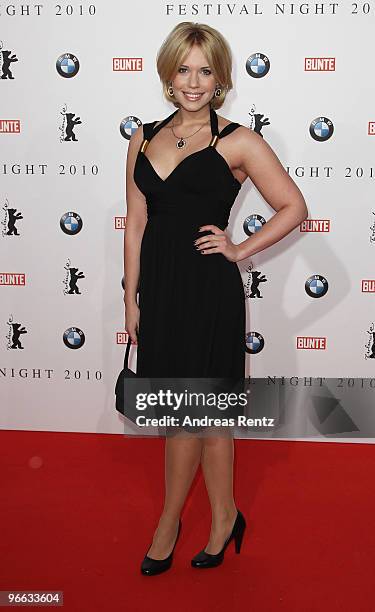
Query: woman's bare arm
[(136, 219), (258, 160)]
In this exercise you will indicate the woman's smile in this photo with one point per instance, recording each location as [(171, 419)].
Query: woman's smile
[(192, 96)]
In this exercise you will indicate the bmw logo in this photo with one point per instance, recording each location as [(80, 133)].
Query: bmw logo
[(316, 286), (254, 343), (321, 129), (74, 338), (67, 65), (71, 223), (253, 224), (257, 65), (129, 125)]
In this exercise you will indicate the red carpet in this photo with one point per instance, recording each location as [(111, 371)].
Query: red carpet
[(78, 512)]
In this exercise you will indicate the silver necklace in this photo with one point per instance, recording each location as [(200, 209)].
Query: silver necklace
[(181, 141)]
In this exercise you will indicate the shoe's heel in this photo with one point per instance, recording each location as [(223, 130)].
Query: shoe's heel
[(204, 559), (238, 536)]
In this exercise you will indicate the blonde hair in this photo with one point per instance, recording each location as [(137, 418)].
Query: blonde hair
[(178, 44)]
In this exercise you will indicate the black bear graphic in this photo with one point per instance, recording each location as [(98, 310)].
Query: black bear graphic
[(372, 354), (255, 280), (73, 280), (12, 230), (259, 123), (70, 135), (7, 60), (17, 331)]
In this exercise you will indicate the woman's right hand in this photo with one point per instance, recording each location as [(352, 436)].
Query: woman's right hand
[(132, 321)]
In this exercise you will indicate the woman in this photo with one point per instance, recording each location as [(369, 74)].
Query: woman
[(183, 175)]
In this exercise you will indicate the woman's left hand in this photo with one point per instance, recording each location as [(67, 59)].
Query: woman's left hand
[(218, 242)]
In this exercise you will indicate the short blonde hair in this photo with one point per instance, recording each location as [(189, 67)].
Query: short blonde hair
[(178, 44)]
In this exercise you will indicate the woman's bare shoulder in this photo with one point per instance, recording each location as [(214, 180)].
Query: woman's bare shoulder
[(222, 122), (138, 135), (241, 131), (156, 123)]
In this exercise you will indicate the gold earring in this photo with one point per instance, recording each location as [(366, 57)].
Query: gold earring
[(217, 92), (170, 90)]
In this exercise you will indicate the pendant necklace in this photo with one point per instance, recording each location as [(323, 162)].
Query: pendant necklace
[(181, 141)]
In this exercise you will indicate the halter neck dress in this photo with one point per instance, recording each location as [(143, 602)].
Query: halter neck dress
[(192, 306)]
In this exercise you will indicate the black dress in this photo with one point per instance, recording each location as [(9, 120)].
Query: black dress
[(192, 306)]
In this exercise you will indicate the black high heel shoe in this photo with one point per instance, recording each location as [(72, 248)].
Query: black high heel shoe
[(204, 559), (150, 567)]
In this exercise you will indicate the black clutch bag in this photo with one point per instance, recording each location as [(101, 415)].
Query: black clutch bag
[(126, 372)]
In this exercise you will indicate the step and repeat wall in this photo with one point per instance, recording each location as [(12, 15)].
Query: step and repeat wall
[(76, 80)]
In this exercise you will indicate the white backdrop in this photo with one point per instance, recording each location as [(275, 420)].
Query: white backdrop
[(45, 383)]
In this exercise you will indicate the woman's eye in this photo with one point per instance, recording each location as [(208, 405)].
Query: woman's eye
[(206, 71)]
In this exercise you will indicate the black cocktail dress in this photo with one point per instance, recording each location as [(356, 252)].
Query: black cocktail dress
[(192, 306)]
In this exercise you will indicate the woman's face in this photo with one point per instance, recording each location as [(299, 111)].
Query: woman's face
[(194, 84)]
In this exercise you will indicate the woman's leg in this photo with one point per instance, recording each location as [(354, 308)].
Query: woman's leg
[(217, 466), (182, 458)]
